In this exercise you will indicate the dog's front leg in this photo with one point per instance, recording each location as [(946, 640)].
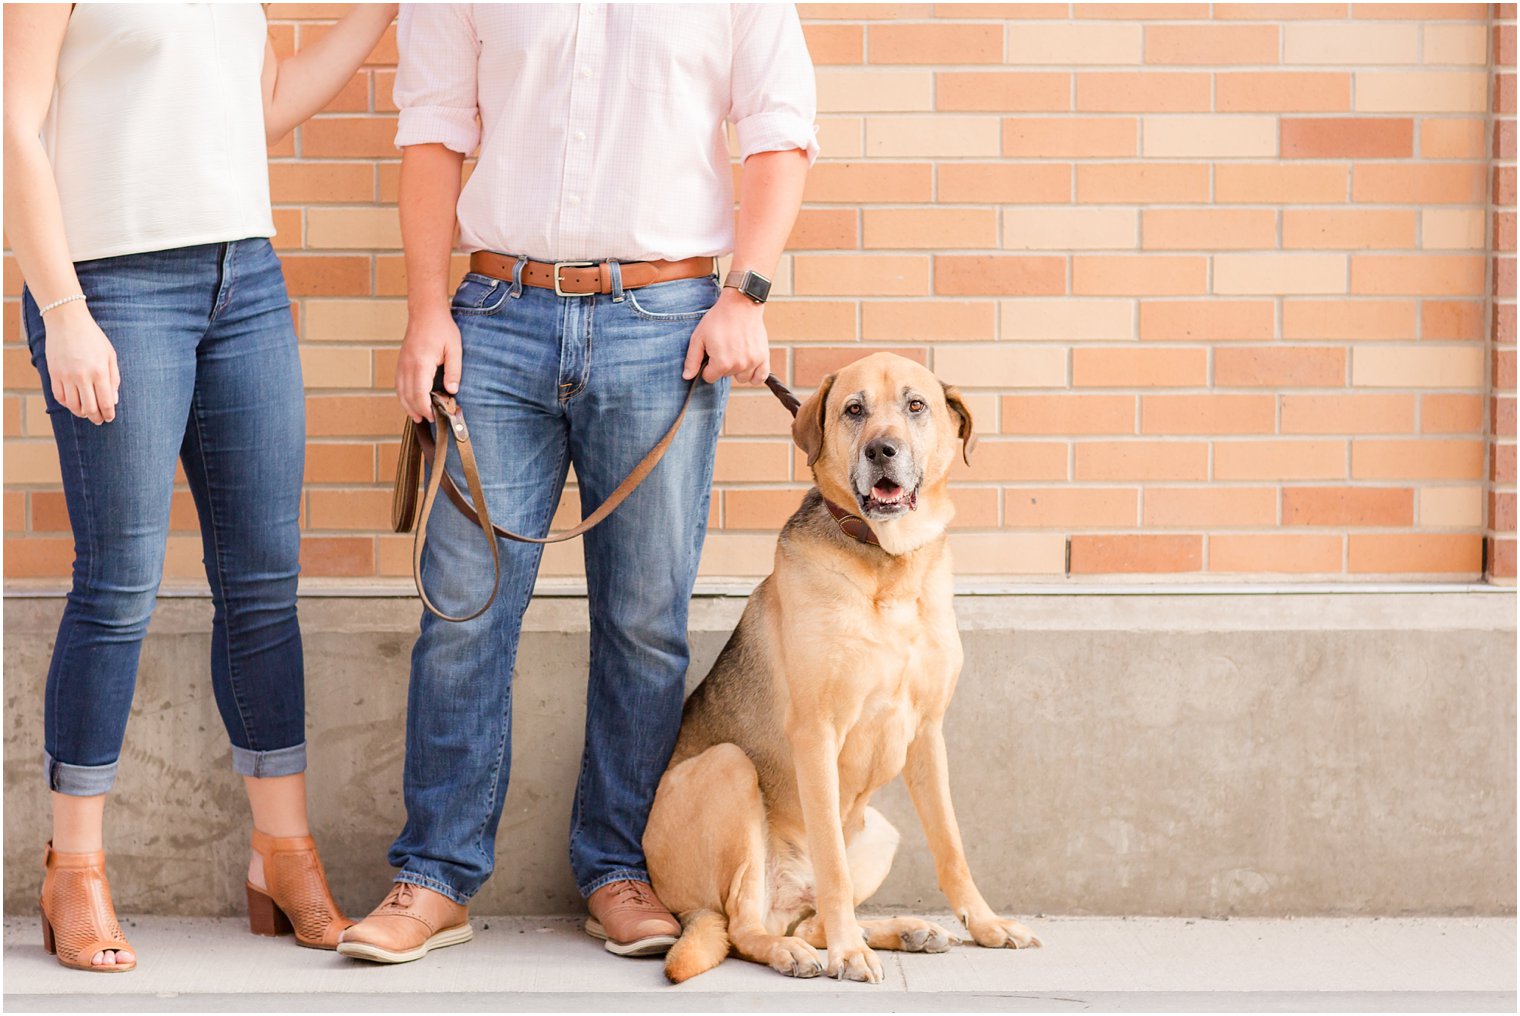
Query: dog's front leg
[(815, 751), (928, 777)]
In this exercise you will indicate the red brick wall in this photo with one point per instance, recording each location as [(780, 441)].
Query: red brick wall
[(1215, 278)]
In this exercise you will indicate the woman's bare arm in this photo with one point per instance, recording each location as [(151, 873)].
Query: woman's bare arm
[(80, 359), (297, 87)]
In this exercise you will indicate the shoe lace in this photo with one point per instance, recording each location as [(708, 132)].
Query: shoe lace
[(638, 893), (401, 896)]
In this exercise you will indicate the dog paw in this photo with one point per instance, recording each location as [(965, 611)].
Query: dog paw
[(1001, 933), (929, 938), (795, 958), (854, 963)]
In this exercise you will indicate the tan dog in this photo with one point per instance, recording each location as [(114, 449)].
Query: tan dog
[(836, 680)]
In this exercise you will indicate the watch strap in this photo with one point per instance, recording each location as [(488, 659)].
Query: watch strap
[(744, 281)]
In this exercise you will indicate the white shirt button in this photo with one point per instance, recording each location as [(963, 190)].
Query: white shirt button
[(573, 200), (580, 135), (585, 72)]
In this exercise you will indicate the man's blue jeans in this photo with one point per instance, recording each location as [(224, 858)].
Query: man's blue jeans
[(210, 378), (551, 381)]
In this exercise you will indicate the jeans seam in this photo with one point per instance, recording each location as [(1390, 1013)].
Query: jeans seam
[(580, 385), (580, 777), (228, 281), (61, 652), (590, 347), (709, 461), (221, 572), (506, 728), (579, 810)]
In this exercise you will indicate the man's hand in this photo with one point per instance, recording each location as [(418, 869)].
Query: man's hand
[(732, 337), (82, 364), (432, 338)]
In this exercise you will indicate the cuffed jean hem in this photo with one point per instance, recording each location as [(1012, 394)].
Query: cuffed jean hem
[(636, 874), (78, 781), (442, 888), (261, 764)]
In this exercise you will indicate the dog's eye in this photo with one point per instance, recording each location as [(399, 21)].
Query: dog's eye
[(916, 406), (854, 409)]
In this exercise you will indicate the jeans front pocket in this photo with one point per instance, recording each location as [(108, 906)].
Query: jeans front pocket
[(480, 294), (681, 300)]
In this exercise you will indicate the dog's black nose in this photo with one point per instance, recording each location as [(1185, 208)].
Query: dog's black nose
[(882, 447)]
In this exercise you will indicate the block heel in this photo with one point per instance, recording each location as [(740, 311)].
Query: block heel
[(296, 899), (264, 916)]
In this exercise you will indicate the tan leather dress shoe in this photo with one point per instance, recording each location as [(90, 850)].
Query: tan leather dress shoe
[(412, 922), (631, 920)]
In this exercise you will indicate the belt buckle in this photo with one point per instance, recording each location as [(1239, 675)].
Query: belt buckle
[(570, 264)]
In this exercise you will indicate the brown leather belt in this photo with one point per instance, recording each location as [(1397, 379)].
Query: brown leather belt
[(587, 278)]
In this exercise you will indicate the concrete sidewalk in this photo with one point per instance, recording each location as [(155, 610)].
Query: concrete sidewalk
[(524, 964)]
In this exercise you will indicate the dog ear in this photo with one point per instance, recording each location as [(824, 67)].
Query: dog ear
[(957, 407), (807, 429)]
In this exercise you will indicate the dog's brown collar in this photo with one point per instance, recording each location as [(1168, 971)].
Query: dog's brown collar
[(852, 525)]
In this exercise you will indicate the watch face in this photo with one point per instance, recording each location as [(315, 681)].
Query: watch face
[(756, 287)]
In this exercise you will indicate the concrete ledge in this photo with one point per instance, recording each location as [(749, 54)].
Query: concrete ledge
[(1195, 753)]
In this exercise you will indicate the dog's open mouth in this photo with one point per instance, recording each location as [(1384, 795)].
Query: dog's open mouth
[(889, 496)]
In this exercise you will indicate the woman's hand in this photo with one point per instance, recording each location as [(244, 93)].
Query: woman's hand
[(81, 363)]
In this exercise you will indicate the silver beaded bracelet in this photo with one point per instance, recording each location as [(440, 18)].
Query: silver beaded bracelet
[(60, 303)]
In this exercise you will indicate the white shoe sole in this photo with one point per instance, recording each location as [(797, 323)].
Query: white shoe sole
[(375, 954), (652, 945)]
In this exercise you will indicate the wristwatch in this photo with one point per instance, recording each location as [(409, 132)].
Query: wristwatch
[(752, 284)]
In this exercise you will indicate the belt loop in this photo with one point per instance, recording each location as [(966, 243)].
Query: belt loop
[(517, 270), (617, 280)]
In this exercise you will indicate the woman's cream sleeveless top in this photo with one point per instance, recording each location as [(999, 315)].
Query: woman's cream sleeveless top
[(156, 132)]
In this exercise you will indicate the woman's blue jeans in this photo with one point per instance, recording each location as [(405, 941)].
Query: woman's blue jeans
[(548, 382), (210, 378)]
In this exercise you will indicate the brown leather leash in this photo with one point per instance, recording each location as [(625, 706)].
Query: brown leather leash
[(418, 446)]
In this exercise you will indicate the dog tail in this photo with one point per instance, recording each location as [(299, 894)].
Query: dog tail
[(703, 945)]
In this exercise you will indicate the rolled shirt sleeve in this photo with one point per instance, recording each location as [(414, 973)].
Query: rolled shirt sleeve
[(775, 98), (436, 88)]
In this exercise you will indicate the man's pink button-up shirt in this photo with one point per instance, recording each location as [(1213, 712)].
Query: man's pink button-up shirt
[(601, 126)]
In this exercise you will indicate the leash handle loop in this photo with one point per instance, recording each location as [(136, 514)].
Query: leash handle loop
[(450, 425)]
